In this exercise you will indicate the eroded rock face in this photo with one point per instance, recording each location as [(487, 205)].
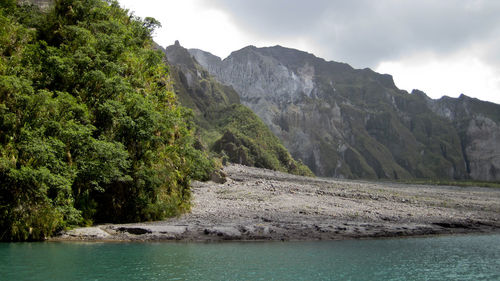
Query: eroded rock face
[(264, 84), (483, 150), (224, 125), (479, 128), (346, 122)]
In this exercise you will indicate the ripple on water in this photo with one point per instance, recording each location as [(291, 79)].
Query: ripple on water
[(472, 257)]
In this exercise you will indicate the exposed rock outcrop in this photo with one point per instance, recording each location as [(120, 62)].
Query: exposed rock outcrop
[(356, 123), (478, 124), (224, 125)]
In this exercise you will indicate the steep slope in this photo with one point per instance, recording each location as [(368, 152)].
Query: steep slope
[(345, 122), (224, 125), (478, 126)]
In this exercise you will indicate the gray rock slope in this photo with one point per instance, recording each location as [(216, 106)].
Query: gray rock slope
[(356, 123), (223, 125), (478, 125)]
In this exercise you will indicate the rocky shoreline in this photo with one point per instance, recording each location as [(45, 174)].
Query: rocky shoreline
[(258, 204)]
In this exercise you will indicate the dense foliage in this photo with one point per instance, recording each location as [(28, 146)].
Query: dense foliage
[(248, 141), (89, 128)]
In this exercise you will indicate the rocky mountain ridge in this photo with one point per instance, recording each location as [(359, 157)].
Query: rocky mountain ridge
[(477, 123), (224, 125), (355, 123)]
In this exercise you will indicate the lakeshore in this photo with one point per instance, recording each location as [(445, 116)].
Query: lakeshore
[(259, 204)]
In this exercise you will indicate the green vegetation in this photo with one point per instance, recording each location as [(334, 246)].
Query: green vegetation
[(248, 141), (90, 130)]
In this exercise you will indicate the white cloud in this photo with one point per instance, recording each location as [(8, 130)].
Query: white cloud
[(192, 24), (451, 75), (198, 25), (444, 48)]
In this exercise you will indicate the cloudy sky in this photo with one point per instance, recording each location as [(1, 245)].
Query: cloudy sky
[(444, 47)]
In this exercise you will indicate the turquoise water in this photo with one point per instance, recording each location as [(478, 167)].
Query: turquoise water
[(435, 258)]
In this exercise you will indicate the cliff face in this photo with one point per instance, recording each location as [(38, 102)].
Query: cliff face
[(353, 123), (225, 126), (478, 126), (195, 87)]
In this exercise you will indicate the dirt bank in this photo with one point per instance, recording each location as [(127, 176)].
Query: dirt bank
[(258, 204)]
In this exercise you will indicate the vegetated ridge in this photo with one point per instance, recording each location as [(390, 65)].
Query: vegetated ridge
[(355, 123)]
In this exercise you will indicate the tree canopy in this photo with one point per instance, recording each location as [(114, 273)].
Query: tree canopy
[(90, 129)]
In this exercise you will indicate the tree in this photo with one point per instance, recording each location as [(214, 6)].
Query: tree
[(90, 128)]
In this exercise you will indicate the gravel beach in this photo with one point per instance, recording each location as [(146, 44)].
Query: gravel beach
[(259, 204)]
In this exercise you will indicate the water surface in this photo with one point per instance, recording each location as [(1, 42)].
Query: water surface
[(474, 257)]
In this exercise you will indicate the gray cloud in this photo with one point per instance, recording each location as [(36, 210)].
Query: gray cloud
[(365, 32)]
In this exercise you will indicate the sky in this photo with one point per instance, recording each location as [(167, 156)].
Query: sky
[(445, 47)]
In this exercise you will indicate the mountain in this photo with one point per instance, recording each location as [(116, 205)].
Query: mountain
[(355, 123), (478, 125), (224, 125)]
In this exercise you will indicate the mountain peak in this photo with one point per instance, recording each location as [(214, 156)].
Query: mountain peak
[(197, 52), (179, 55), (464, 97)]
